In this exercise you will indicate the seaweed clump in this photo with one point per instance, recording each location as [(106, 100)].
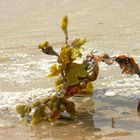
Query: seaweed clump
[(71, 78)]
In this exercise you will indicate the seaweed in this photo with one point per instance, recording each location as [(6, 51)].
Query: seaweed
[(71, 78)]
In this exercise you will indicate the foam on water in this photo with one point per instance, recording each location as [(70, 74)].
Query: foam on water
[(24, 68), (22, 73), (11, 99), (121, 85)]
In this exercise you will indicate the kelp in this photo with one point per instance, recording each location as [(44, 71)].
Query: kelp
[(127, 64), (71, 78), (50, 110)]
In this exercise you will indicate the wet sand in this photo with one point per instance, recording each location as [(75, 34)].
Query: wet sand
[(110, 26), (98, 125)]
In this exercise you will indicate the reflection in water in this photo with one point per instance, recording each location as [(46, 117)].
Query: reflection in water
[(138, 107), (68, 130), (80, 129), (113, 122), (125, 120)]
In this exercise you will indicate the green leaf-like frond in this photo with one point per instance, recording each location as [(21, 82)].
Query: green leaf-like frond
[(74, 72), (55, 70), (77, 43)]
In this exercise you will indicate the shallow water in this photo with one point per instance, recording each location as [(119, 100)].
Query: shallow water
[(110, 27)]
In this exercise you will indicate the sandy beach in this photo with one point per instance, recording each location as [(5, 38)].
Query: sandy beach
[(110, 26)]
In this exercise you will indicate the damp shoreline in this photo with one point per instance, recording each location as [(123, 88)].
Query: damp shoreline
[(110, 27)]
